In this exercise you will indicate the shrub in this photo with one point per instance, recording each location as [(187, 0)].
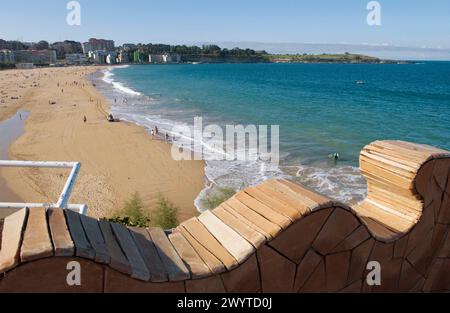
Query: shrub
[(215, 199), (133, 213), (165, 215)]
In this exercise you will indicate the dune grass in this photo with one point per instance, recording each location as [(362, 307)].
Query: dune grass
[(136, 214), (215, 199)]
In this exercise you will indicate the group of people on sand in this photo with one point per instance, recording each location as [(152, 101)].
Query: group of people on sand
[(155, 132), (110, 118), (124, 100)]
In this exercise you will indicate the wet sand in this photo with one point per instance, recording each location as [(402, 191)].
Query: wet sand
[(10, 130), (118, 159)]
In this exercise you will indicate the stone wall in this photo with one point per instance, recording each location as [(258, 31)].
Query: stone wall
[(272, 238)]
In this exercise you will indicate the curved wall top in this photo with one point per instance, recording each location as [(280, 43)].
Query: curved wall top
[(275, 237)]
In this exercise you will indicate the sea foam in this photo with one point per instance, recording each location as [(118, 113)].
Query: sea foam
[(343, 183), (108, 78)]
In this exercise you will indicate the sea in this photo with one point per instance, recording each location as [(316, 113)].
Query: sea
[(321, 110)]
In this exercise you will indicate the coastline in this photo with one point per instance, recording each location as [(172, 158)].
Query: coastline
[(153, 103), (112, 89), (118, 159)]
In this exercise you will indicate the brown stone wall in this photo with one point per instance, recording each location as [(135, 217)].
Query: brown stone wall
[(274, 238), (50, 276), (1, 231)]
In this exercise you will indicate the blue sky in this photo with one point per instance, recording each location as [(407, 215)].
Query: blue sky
[(415, 23)]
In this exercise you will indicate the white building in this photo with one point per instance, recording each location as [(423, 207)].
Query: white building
[(172, 58), (111, 58), (97, 44), (99, 56), (7, 56), (164, 58)]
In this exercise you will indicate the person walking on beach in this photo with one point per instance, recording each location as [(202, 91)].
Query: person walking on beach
[(153, 134), (167, 137), (85, 119)]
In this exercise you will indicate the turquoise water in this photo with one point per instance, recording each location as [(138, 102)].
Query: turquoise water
[(320, 109)]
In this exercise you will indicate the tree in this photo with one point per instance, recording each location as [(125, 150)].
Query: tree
[(42, 45)]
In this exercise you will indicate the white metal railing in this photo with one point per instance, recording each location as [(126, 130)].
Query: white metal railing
[(65, 194)]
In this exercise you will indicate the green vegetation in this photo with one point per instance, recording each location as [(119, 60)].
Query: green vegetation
[(215, 199), (323, 58), (140, 57), (135, 214), (7, 66), (165, 215), (206, 53)]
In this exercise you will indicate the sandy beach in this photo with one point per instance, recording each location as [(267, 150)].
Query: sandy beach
[(118, 159)]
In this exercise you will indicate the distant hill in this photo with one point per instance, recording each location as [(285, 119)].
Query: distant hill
[(326, 58), (382, 51)]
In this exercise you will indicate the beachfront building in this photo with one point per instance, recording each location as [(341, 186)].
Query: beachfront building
[(164, 58), (35, 56), (111, 58), (123, 57), (99, 56), (98, 44), (156, 58), (76, 59), (25, 66), (66, 47), (7, 57), (173, 58)]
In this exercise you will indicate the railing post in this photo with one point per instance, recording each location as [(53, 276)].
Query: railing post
[(65, 194), (63, 201)]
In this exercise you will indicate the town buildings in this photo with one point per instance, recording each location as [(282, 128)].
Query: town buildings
[(25, 66), (98, 57), (35, 56), (124, 57), (164, 58), (111, 58), (98, 44), (76, 59), (94, 51), (66, 47), (7, 57)]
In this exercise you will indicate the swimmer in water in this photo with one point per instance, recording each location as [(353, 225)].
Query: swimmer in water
[(334, 156)]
